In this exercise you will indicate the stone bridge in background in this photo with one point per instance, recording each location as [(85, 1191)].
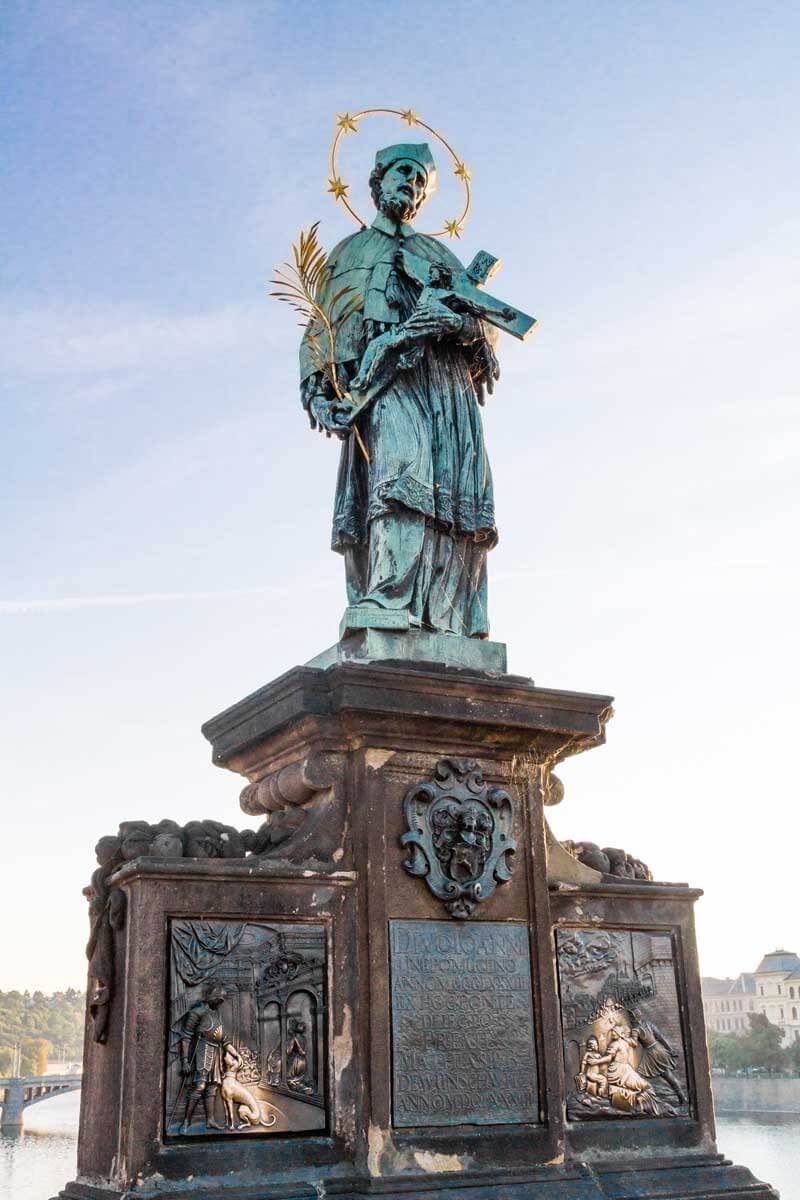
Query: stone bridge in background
[(18, 1094)]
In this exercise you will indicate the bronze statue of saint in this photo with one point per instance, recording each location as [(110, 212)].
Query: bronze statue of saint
[(414, 514)]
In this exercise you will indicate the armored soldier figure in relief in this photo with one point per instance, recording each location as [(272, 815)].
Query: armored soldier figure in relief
[(202, 1042)]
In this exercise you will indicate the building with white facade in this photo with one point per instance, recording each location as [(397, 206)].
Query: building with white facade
[(772, 989)]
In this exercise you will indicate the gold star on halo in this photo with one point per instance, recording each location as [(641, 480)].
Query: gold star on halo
[(338, 188), (462, 172), (453, 229), (410, 117), (346, 123)]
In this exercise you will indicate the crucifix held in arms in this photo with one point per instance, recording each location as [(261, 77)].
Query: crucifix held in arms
[(463, 292), (460, 291)]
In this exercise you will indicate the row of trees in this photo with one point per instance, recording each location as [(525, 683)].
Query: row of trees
[(35, 1027), (757, 1049)]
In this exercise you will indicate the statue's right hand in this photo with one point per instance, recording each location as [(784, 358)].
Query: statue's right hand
[(186, 1068), (329, 415)]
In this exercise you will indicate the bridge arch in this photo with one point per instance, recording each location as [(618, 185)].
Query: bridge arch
[(18, 1094)]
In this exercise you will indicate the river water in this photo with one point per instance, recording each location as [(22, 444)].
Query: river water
[(36, 1165)]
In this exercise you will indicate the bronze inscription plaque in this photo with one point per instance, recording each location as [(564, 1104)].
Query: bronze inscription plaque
[(463, 1050)]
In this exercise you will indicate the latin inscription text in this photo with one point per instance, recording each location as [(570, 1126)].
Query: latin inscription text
[(462, 1024)]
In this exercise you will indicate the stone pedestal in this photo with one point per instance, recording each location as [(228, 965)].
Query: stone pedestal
[(443, 958)]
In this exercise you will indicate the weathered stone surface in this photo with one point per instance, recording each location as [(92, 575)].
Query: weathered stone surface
[(417, 706), (345, 746), (610, 861), (130, 1081), (659, 917)]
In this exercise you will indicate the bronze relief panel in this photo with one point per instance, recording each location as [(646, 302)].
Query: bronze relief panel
[(624, 1054), (246, 1040)]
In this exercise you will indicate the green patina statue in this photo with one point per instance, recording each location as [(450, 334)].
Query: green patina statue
[(414, 358)]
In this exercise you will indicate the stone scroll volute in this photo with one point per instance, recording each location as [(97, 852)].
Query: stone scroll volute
[(460, 835), (303, 806)]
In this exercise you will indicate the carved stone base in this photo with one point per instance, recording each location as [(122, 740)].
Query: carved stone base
[(413, 983), (709, 1178)]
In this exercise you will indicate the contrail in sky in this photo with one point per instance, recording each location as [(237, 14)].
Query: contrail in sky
[(64, 603)]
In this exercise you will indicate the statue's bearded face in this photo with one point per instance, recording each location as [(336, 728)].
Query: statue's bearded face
[(402, 190)]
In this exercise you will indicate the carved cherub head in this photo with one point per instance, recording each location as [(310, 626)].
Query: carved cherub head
[(201, 840), (107, 850)]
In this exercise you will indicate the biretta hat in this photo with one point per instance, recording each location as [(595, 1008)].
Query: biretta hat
[(418, 152)]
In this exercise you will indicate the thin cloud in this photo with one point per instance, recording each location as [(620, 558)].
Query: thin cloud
[(756, 291), (60, 339), (129, 599)]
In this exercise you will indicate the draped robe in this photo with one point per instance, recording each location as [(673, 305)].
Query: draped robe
[(415, 522)]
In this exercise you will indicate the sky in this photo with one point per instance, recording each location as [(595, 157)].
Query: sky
[(164, 547)]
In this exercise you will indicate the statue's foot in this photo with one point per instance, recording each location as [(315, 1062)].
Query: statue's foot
[(214, 1125), (184, 1127)]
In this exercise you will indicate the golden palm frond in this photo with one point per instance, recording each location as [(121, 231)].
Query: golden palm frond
[(301, 285)]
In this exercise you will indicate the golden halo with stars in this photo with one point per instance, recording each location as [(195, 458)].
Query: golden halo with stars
[(349, 123)]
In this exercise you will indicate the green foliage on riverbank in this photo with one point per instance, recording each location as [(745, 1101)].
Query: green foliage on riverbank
[(758, 1049), (44, 1028)]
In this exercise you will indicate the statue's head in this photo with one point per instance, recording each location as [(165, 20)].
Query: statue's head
[(136, 837), (403, 177), (213, 993), (592, 1043), (107, 850), (440, 276)]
